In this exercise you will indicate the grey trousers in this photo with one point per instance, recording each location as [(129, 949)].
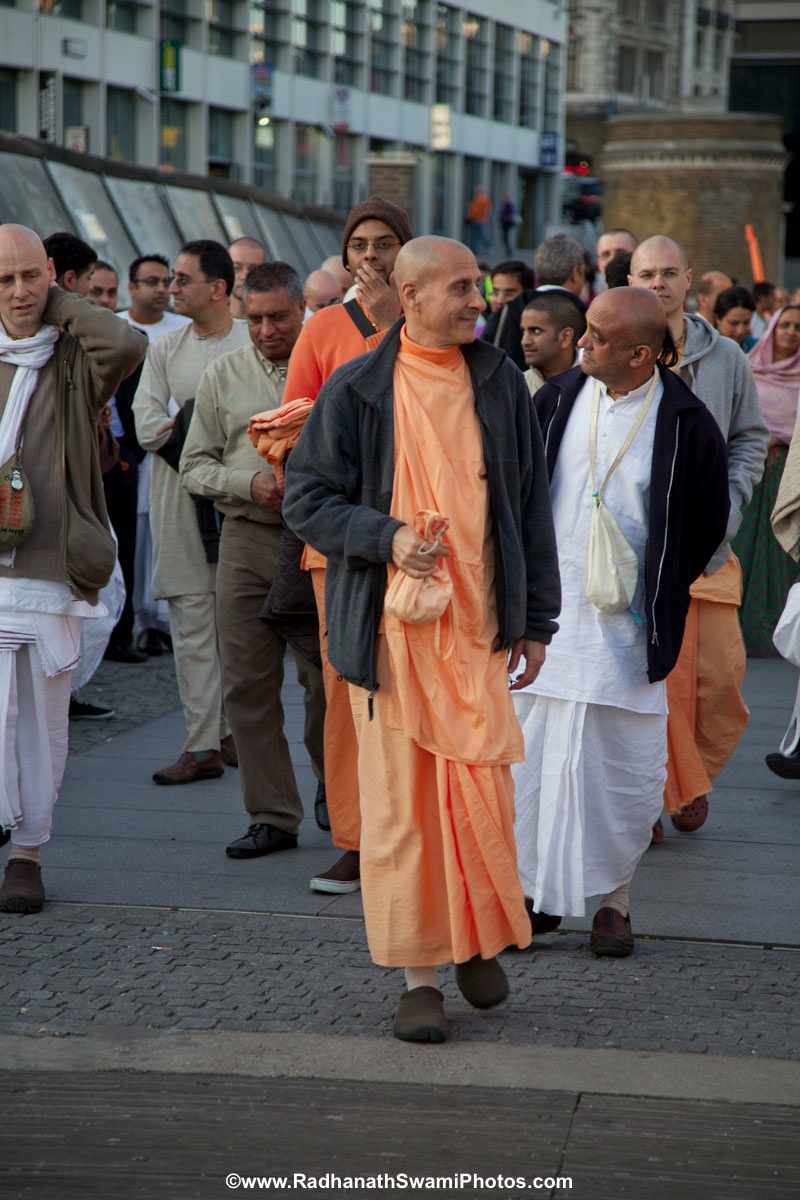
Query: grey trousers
[(252, 656)]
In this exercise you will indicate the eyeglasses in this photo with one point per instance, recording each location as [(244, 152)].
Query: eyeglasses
[(182, 281), (380, 245), (156, 280), (669, 275)]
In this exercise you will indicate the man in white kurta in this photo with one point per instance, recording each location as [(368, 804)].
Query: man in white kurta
[(181, 573), (595, 719)]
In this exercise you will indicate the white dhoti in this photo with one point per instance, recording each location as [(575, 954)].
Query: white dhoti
[(37, 653), (586, 797)]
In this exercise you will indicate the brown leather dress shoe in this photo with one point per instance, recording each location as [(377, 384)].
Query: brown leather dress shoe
[(228, 751), (188, 770), (22, 890), (611, 934)]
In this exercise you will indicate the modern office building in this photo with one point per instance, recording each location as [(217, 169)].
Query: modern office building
[(299, 96)]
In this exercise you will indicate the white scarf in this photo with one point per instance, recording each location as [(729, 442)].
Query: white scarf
[(28, 355)]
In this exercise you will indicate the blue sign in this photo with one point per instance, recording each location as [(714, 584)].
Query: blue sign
[(549, 150)]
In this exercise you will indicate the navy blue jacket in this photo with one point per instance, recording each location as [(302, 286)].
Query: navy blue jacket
[(339, 482), (689, 501)]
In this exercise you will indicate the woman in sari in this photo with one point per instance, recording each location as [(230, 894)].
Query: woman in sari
[(768, 572)]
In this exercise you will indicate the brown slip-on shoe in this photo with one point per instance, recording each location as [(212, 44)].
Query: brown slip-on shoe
[(22, 890), (541, 922), (691, 816), (611, 934), (482, 981), (188, 770), (344, 875), (228, 752), (420, 1016), (657, 833)]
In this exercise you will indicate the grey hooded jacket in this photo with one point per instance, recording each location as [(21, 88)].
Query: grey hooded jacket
[(717, 371)]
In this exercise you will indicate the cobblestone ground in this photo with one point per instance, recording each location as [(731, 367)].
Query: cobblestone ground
[(137, 692), (78, 970)]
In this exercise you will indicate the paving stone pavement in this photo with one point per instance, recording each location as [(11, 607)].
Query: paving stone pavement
[(83, 969)]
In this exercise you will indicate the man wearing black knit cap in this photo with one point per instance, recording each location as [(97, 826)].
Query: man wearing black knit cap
[(373, 234)]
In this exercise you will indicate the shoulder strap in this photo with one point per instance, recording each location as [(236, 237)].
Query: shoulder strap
[(360, 319), (644, 408)]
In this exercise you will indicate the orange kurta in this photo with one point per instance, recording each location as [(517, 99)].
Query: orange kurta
[(707, 715), (438, 859)]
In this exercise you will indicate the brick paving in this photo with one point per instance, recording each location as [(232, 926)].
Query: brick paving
[(83, 969)]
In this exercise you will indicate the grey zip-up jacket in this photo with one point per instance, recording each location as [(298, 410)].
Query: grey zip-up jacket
[(339, 482), (717, 371)]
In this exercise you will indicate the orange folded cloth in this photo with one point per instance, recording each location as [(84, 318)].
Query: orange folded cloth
[(275, 432)]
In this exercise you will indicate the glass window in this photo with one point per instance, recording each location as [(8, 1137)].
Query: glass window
[(626, 69), (121, 15), (415, 36), (121, 124), (28, 197), (342, 198), (274, 233), (71, 102), (93, 214), (503, 100), (195, 214), (62, 8), (443, 173), (305, 175), (551, 52), (237, 216), (448, 60), (307, 255), (629, 10), (654, 74), (264, 157), (267, 43), (175, 21), (528, 48), (346, 43), (655, 12), (476, 34), (220, 134), (8, 100), (146, 216), (221, 28), (383, 39), (173, 134), (308, 38)]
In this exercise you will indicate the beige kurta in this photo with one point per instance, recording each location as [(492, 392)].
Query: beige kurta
[(172, 371)]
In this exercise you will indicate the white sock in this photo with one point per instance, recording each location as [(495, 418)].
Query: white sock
[(617, 899), (422, 977)]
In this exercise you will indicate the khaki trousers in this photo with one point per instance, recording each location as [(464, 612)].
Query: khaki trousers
[(252, 656), (193, 628)]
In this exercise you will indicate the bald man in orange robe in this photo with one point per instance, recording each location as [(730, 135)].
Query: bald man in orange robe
[(433, 422)]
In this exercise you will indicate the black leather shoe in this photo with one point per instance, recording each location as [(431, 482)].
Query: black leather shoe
[(321, 809), (5, 834), (149, 642), (785, 765), (124, 652), (261, 839)]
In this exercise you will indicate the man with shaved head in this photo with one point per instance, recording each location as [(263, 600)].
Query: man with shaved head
[(433, 427), (61, 358), (321, 289), (627, 443), (245, 252), (709, 287), (707, 715)]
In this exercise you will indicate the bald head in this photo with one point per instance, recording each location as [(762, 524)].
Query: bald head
[(25, 277), (625, 333), (336, 267), (320, 289), (709, 288), (438, 282), (661, 265)]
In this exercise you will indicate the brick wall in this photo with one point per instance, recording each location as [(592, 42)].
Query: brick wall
[(699, 179)]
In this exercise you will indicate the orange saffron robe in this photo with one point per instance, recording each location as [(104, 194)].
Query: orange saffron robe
[(707, 715), (438, 859)]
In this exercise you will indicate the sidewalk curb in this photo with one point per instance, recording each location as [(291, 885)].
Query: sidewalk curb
[(316, 1056)]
